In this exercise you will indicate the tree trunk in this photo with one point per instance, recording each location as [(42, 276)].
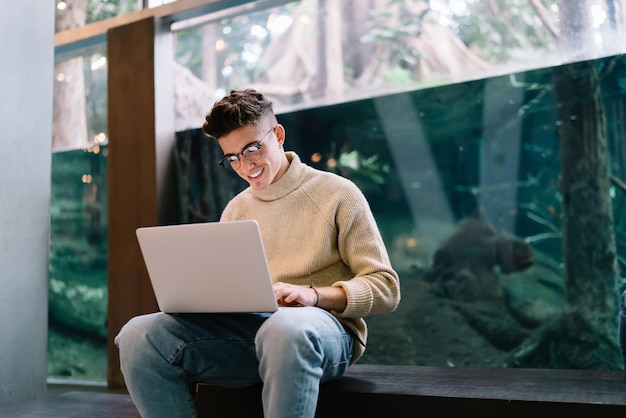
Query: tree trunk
[(69, 128), (584, 337), (576, 35), (330, 58), (589, 250), (588, 226), (209, 55)]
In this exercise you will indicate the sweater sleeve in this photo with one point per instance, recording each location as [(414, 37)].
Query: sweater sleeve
[(375, 287)]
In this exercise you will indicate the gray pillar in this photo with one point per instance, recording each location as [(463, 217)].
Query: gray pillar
[(26, 77)]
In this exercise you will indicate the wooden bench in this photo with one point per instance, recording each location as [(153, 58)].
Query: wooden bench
[(409, 391)]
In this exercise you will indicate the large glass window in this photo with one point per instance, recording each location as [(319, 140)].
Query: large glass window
[(445, 113), (309, 53), (72, 14), (77, 331), (78, 234)]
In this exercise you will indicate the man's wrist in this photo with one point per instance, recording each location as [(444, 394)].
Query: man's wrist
[(317, 295)]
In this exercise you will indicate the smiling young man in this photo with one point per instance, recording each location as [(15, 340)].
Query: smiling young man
[(328, 263)]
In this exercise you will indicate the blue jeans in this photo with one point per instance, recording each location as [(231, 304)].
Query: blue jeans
[(290, 351), (622, 327)]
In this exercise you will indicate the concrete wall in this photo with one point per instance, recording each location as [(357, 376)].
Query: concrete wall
[(26, 79)]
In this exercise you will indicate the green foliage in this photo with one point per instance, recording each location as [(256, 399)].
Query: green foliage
[(495, 30), (398, 76), (96, 95), (396, 38), (241, 48), (98, 10), (369, 173), (188, 43)]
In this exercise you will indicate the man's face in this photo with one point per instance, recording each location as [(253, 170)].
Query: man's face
[(260, 165)]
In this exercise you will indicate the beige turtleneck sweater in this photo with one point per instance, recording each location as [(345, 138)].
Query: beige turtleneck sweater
[(317, 228)]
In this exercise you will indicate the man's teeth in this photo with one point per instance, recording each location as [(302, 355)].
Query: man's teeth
[(257, 174)]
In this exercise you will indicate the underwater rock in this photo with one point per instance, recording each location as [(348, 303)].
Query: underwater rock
[(488, 319), (465, 265), (537, 294)]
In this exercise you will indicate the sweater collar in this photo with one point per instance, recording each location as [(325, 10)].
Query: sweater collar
[(290, 181)]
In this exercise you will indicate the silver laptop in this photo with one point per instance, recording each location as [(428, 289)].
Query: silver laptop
[(208, 267)]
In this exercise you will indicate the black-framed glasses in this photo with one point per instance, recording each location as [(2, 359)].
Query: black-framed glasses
[(251, 153)]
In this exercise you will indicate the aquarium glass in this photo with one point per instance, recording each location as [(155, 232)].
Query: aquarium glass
[(466, 182), (77, 331), (479, 131)]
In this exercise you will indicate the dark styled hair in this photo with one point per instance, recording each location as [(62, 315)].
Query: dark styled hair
[(237, 110)]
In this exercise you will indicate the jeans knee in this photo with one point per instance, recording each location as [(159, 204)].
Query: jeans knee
[(131, 329), (134, 339), (279, 326), (286, 332)]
